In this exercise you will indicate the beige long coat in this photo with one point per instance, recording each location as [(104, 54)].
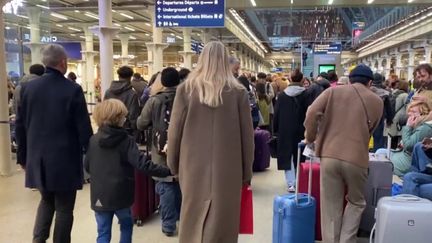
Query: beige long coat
[(211, 149)]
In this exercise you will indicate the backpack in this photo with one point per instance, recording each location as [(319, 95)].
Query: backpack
[(393, 98), (161, 121)]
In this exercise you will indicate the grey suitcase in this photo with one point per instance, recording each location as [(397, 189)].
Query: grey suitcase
[(379, 185), (403, 219)]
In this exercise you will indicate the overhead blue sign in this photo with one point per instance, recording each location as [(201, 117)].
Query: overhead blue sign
[(200, 14), (276, 70), (197, 47), (327, 49)]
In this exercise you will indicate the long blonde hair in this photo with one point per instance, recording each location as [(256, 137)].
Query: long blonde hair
[(211, 75)]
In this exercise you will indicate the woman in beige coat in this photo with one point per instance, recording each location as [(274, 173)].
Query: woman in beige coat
[(210, 148)]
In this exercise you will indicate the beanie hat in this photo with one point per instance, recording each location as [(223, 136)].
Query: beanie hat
[(362, 71), (378, 79), (170, 77)]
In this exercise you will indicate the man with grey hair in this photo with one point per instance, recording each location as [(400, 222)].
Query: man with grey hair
[(53, 130), (235, 66)]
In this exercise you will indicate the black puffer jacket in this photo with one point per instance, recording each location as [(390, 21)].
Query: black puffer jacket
[(111, 158), (122, 90)]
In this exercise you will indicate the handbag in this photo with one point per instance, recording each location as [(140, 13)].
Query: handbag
[(246, 211), (273, 144)]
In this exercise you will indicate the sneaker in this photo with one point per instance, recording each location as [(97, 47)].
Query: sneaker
[(291, 189), (168, 234)]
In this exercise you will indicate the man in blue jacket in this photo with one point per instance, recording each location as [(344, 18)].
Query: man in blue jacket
[(53, 130)]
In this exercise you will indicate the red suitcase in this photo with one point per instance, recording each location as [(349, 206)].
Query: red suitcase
[(146, 200), (303, 188)]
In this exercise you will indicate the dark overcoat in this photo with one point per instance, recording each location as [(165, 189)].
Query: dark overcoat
[(290, 112), (53, 129)]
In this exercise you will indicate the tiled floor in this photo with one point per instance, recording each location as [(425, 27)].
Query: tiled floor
[(18, 207)]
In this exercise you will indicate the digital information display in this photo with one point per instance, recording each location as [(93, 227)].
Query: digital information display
[(200, 14), (327, 49)]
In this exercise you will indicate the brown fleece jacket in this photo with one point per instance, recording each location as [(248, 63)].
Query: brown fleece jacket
[(338, 123)]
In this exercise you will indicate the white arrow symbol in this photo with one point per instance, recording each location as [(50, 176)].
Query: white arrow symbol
[(159, 9), (159, 16), (158, 2), (159, 23)]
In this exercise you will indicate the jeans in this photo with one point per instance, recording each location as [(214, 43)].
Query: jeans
[(420, 158), (62, 204), (170, 204), (104, 223), (378, 136), (418, 184)]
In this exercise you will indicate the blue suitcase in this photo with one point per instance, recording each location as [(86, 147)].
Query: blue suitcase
[(294, 216)]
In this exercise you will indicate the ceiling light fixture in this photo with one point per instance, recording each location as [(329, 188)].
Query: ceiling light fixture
[(76, 11), (59, 25), (129, 28), (241, 21), (118, 25), (330, 2), (59, 16), (42, 6), (132, 37), (148, 24), (91, 15), (127, 16), (181, 38), (22, 16), (74, 29), (410, 1), (253, 3), (292, 1), (72, 35), (147, 34), (82, 37), (370, 1), (114, 11)]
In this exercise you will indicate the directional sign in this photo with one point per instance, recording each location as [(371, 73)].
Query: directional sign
[(183, 13)]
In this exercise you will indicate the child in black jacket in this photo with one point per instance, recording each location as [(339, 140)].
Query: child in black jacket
[(111, 158)]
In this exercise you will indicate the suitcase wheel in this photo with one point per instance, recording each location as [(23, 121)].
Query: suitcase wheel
[(139, 223)]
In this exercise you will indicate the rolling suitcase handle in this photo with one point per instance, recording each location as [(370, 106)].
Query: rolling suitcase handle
[(300, 145)]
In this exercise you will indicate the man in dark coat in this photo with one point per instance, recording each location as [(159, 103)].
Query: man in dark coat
[(53, 130), (290, 112), (122, 90)]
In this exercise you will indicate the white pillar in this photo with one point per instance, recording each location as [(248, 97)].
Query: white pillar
[(387, 67), (35, 45), (156, 47), (428, 53), (106, 31), (380, 68), (89, 55), (187, 52), (206, 36), (399, 66), (5, 142), (411, 62), (124, 38)]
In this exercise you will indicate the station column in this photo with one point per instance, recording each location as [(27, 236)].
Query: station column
[(387, 67), (157, 46), (35, 45), (124, 38), (380, 68), (399, 66), (106, 31), (187, 52), (411, 63), (206, 36), (428, 53), (5, 141), (89, 55)]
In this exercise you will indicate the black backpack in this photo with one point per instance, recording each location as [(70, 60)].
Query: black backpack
[(161, 119)]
